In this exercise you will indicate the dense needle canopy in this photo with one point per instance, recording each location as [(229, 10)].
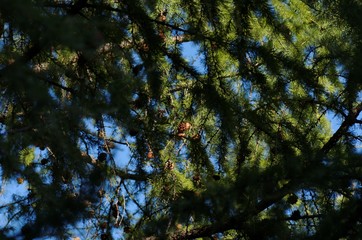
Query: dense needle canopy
[(180, 119)]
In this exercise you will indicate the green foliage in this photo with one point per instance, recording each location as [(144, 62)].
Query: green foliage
[(114, 134), (27, 156)]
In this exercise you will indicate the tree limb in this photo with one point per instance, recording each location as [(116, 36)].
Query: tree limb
[(342, 130), (237, 222)]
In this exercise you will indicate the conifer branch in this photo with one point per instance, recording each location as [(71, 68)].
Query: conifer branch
[(293, 218), (31, 53), (70, 90), (349, 121), (258, 110), (125, 175), (237, 222), (118, 142)]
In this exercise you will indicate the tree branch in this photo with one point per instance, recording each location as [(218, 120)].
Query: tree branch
[(60, 86), (237, 222), (291, 218), (343, 129), (130, 176)]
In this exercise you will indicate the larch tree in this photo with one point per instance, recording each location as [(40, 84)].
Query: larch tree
[(109, 131)]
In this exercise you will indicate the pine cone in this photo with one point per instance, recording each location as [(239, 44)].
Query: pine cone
[(169, 165), (102, 157), (115, 210), (184, 126), (150, 155)]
